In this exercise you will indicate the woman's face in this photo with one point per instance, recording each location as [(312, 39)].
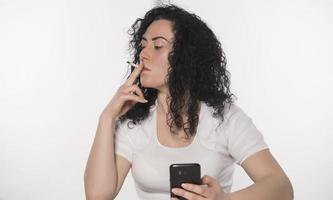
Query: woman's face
[(157, 44)]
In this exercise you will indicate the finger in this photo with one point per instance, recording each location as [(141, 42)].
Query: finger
[(174, 198), (136, 72), (130, 97), (199, 189), (134, 88), (186, 194), (210, 181)]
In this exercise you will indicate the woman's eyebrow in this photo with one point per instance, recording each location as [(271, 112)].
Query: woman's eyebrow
[(155, 38)]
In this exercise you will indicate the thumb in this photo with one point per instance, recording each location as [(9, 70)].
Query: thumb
[(210, 181)]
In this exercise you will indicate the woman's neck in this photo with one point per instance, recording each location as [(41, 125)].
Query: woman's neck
[(163, 109), (162, 103)]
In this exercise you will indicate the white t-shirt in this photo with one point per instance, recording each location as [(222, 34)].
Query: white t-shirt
[(215, 148)]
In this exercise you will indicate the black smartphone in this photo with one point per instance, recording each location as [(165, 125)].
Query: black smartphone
[(184, 173)]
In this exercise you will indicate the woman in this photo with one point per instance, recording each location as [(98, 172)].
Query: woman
[(181, 110)]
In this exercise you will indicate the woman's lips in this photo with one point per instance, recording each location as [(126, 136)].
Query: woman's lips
[(145, 71)]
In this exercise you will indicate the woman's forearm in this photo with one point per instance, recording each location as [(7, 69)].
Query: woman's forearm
[(100, 178), (273, 187)]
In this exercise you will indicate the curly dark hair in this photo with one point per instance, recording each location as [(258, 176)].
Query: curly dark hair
[(197, 70)]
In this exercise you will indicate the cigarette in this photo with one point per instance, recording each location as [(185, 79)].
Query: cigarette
[(132, 64)]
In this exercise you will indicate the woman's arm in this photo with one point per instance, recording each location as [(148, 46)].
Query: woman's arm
[(105, 172), (270, 181)]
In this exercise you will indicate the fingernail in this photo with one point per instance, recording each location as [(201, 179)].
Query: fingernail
[(174, 190), (145, 100)]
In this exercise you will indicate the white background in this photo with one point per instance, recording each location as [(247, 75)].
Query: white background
[(61, 62)]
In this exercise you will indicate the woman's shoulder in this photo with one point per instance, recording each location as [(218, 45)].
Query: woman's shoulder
[(230, 112), (212, 127)]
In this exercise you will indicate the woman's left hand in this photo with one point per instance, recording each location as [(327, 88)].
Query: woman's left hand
[(210, 189)]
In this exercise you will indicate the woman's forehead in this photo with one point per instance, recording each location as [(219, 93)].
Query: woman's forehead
[(159, 28)]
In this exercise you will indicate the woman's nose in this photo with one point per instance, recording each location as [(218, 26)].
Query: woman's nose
[(144, 54)]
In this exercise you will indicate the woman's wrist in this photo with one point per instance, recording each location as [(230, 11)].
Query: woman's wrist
[(107, 117)]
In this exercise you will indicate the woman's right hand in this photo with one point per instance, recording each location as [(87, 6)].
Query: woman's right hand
[(126, 96)]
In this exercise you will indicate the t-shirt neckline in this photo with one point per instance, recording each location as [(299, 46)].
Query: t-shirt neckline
[(194, 141)]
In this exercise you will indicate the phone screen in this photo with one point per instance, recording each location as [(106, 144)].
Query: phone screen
[(184, 173)]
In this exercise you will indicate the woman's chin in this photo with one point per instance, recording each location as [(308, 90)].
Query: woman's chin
[(151, 83)]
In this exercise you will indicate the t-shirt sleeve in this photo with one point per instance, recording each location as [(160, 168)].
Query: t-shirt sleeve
[(123, 145), (243, 138)]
